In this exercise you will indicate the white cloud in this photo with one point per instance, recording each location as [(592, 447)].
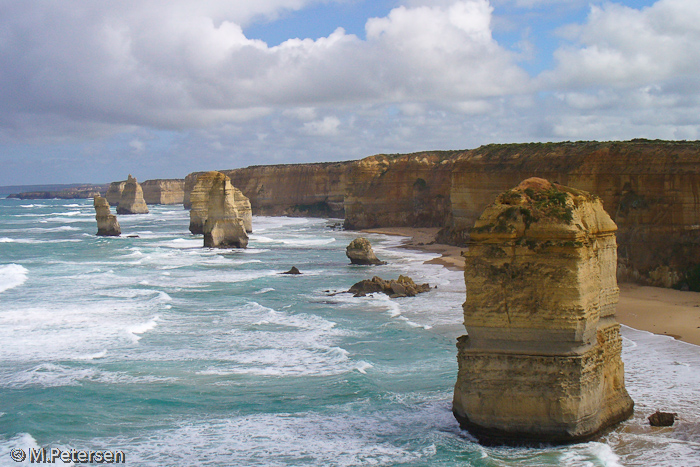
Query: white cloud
[(327, 126), (624, 47), (182, 64)]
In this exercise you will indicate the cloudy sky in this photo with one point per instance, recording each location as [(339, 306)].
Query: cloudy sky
[(93, 90)]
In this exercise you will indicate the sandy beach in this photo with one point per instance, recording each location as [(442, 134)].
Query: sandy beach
[(661, 311)]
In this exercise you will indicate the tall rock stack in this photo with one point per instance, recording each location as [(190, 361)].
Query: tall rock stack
[(132, 198), (199, 202), (107, 224), (541, 362), (223, 227)]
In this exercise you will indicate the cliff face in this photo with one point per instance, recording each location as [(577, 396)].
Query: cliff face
[(542, 358), (160, 191), (649, 188), (294, 190), (402, 190)]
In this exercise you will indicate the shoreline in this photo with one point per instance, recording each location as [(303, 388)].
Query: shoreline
[(666, 312)]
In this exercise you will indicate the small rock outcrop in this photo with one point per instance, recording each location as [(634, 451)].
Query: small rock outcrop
[(293, 271), (662, 418), (360, 252), (132, 201), (541, 362), (223, 227), (107, 224), (402, 287), (199, 203)]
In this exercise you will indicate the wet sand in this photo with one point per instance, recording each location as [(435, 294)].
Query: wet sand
[(661, 311)]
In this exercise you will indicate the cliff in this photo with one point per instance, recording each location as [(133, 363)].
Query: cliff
[(315, 190), (131, 201), (399, 190), (649, 188), (542, 359), (163, 191), (82, 191)]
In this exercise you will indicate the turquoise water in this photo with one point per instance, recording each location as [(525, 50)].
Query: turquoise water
[(179, 355)]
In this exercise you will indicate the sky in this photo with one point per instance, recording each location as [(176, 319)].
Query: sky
[(91, 91)]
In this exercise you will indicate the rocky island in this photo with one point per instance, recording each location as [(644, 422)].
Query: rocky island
[(541, 361)]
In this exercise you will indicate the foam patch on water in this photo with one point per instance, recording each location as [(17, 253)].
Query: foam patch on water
[(143, 328), (11, 276)]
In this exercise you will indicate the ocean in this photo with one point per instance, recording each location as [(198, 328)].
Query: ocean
[(178, 355)]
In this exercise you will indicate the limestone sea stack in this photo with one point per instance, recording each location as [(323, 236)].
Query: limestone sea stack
[(360, 252), (132, 201), (107, 224), (223, 228), (541, 361), (114, 193), (199, 203)]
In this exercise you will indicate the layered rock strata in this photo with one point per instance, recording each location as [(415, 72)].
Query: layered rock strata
[(541, 361), (199, 203), (651, 189), (114, 192), (163, 191), (132, 201), (107, 224), (223, 228), (360, 251)]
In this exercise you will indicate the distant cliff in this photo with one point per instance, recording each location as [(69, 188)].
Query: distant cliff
[(62, 192), (649, 188), (163, 191)]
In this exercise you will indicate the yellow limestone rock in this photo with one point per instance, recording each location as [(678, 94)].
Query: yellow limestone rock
[(223, 227), (132, 201), (541, 362), (199, 202), (107, 224)]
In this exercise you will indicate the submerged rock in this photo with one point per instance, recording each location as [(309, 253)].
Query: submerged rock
[(223, 228), (360, 252), (402, 287), (107, 224), (293, 271), (662, 418), (132, 201), (541, 362)]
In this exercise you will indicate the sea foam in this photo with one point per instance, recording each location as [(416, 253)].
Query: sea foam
[(12, 275)]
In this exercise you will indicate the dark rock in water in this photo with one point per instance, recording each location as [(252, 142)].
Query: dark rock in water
[(132, 236), (360, 252), (662, 418), (402, 287), (294, 270)]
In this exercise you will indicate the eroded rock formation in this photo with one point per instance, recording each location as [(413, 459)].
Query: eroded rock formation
[(223, 228), (160, 191), (541, 361), (199, 202), (651, 189), (132, 198), (359, 251), (114, 193), (401, 287), (107, 224)]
